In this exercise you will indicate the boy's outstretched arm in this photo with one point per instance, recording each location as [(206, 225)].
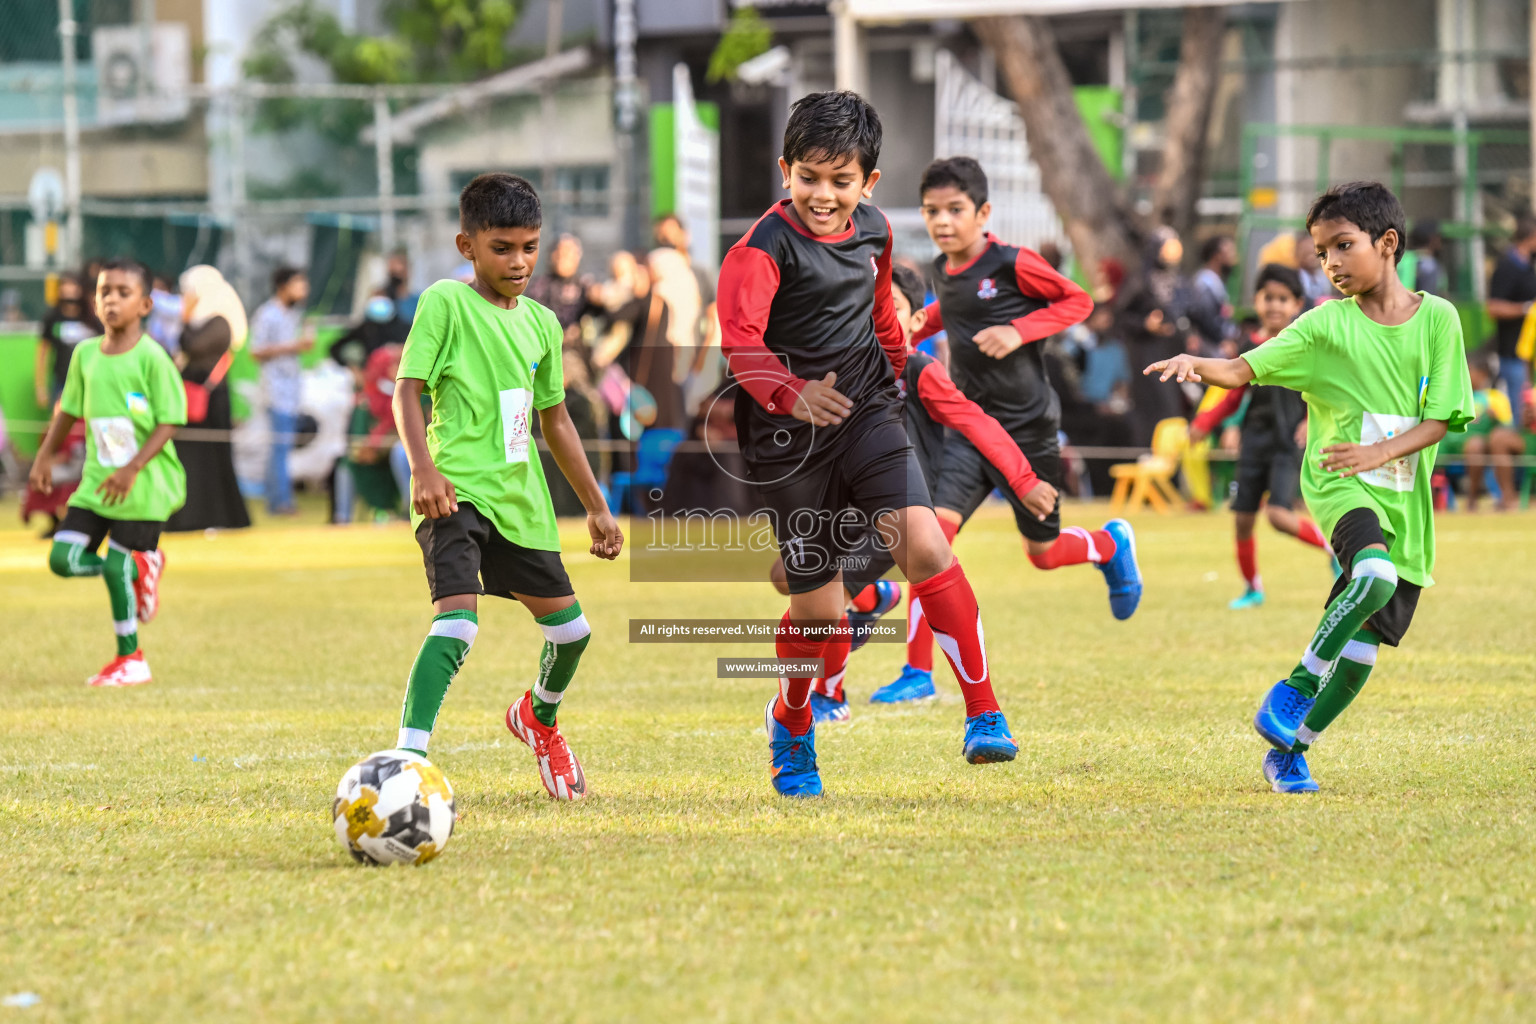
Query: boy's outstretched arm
[(432, 494), (115, 488), (40, 479), (1353, 459), (1224, 373), (565, 445)]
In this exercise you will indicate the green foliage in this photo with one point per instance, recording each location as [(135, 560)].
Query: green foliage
[(747, 36)]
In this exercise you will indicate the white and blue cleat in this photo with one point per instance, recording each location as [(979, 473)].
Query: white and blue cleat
[(913, 684), (828, 709), (987, 739), (1288, 773), (794, 757), (1283, 710), (1122, 572)]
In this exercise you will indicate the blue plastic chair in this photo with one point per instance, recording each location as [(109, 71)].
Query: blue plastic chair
[(653, 455)]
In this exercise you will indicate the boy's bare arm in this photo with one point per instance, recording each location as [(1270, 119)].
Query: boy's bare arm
[(114, 489), (40, 479), (565, 445), (1224, 373), (432, 494), (1353, 459)]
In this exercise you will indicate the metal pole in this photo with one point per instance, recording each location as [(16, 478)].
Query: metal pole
[(627, 102), (847, 49), (384, 160), (75, 236), (552, 35), (238, 230)]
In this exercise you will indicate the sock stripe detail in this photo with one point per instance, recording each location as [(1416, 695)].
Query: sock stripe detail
[(127, 628), (115, 546), (547, 696), (914, 618), (413, 739), (1376, 567), (1093, 552), (1306, 735), (784, 695), (566, 632), (455, 629), (1313, 664), (73, 537), (1360, 653)]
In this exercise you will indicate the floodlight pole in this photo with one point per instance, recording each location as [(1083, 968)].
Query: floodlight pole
[(384, 160), (74, 237)]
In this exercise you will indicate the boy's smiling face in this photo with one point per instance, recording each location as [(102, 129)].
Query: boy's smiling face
[(1276, 306), (1351, 260), (953, 221), (824, 193), (503, 258)]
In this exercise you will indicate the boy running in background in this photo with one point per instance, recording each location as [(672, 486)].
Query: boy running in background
[(995, 301), (1384, 377), (489, 356), (810, 333), (1273, 425), (128, 392)]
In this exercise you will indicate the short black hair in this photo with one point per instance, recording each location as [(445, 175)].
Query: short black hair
[(498, 200), (960, 172), (910, 284), (833, 126), (1211, 246), (1282, 275), (127, 266), (282, 275), (1368, 205)]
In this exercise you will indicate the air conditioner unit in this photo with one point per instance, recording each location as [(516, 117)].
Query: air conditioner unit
[(142, 73)]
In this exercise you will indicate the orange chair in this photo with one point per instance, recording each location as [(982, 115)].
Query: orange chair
[(1150, 478)]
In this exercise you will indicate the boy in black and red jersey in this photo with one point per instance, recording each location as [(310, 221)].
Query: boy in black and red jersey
[(995, 301), (810, 332)]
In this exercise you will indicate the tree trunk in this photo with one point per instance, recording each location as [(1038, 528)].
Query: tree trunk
[(1189, 104), (1071, 171)]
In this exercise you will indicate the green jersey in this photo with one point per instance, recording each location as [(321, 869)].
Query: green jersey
[(486, 369), (1364, 382), (122, 398)]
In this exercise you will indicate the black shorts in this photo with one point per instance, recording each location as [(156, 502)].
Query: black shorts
[(1358, 529), (133, 534), (1266, 464), (966, 478), (823, 513), (464, 549)]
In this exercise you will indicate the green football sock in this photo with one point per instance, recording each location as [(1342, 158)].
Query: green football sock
[(1349, 675), (120, 570), (1373, 580), (565, 636), (442, 652), (69, 556)]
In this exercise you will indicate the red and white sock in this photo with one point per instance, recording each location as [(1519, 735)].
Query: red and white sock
[(950, 608), (1308, 533), (866, 599), (835, 659), (1248, 563), (919, 634), (1076, 546), (793, 708)]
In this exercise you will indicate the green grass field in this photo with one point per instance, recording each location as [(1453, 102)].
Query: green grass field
[(168, 852)]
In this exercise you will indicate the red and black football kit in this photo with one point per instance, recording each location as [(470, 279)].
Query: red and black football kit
[(1003, 284), (793, 308)]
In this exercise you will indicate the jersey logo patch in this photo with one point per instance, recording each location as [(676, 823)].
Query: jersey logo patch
[(988, 289), (137, 402)]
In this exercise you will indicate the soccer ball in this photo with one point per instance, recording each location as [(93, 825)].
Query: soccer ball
[(393, 807)]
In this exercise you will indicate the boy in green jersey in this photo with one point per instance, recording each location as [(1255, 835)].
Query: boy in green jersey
[(489, 357), (1385, 378), (130, 395)]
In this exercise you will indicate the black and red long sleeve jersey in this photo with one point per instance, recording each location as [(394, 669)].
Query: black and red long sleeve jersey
[(934, 403), (795, 307), (1004, 284)]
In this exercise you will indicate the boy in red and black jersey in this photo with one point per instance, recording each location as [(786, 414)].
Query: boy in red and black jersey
[(995, 301), (809, 331)]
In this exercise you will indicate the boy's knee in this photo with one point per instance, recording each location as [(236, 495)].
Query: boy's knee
[(59, 560)]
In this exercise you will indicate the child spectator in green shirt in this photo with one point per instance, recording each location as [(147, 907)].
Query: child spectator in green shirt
[(1384, 376), (129, 393), (490, 357)]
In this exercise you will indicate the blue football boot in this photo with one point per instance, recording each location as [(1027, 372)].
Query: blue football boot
[(1121, 572), (1251, 599), (913, 684), (987, 739), (887, 596), (828, 709), (1281, 714), (794, 758), (1288, 773)]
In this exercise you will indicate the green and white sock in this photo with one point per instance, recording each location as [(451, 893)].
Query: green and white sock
[(1373, 580), (120, 570), (69, 557), (1349, 675), (442, 653), (565, 636)]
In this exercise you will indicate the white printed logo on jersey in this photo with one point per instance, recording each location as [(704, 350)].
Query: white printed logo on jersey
[(515, 403), (116, 442), (1398, 474)]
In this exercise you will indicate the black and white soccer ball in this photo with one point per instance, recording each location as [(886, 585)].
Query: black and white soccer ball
[(393, 807)]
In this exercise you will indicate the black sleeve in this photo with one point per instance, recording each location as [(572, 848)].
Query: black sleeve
[(1502, 281), (203, 345), (50, 327)]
